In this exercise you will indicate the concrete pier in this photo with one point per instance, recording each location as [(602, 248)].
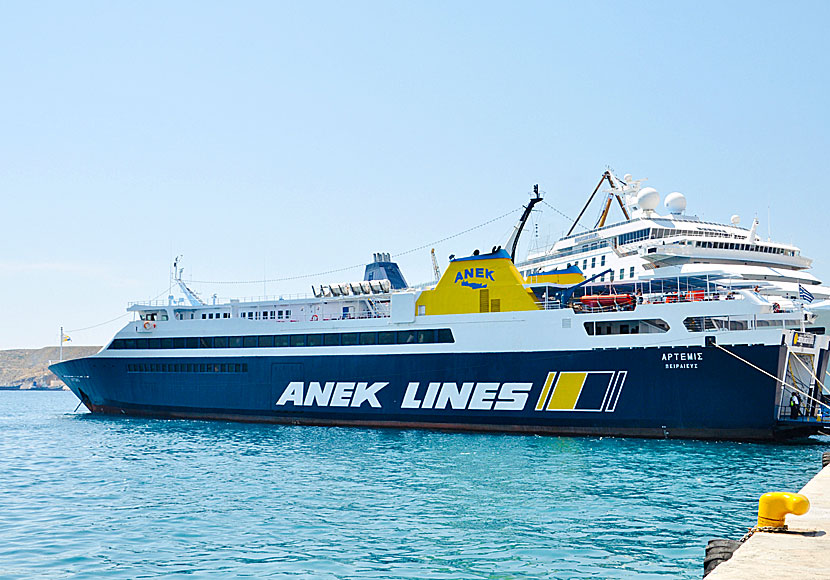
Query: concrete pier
[(788, 555)]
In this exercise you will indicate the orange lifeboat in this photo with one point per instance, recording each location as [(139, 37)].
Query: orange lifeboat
[(604, 300)]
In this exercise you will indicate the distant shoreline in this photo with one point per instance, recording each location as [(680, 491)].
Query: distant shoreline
[(20, 388)]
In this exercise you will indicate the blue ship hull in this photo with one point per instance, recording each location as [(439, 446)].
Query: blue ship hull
[(688, 392)]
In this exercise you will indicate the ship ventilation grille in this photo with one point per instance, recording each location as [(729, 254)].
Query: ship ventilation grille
[(484, 300)]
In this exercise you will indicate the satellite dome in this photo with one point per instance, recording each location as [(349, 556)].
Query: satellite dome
[(628, 178), (676, 202), (648, 199), (736, 219)]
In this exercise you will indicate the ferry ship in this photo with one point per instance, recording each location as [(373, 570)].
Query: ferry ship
[(679, 249), (483, 349)]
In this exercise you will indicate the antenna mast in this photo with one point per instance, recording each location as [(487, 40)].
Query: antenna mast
[(513, 242), (191, 296), (605, 176), (435, 269)]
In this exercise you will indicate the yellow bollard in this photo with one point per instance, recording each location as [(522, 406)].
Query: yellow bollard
[(773, 506)]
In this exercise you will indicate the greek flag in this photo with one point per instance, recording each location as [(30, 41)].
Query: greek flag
[(804, 294)]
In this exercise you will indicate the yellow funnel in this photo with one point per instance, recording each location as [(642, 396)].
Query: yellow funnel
[(773, 506)]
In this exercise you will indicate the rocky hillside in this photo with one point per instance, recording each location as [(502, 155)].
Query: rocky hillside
[(27, 367)]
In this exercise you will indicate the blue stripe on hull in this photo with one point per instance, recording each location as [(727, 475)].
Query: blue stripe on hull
[(675, 392)]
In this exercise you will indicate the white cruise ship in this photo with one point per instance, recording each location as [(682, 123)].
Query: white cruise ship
[(677, 249)]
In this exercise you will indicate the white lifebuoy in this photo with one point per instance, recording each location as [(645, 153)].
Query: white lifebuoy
[(314, 317)]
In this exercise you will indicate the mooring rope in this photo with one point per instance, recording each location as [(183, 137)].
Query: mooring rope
[(786, 384)]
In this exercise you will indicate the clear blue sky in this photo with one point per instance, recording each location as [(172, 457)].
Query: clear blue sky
[(277, 139)]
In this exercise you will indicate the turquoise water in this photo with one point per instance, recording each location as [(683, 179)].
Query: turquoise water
[(91, 497)]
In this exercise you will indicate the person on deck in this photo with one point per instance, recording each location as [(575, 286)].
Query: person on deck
[(795, 406)]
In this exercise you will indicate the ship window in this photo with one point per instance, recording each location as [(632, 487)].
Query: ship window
[(244, 367), (298, 340), (348, 339), (631, 272), (331, 339), (191, 342), (266, 340), (205, 342), (220, 342), (616, 327), (204, 316), (281, 340), (426, 336), (226, 315), (166, 343), (178, 343), (444, 335), (704, 323), (585, 264), (142, 343), (235, 341), (314, 340), (602, 260), (622, 273), (189, 367), (611, 275), (223, 367), (117, 344), (155, 343), (406, 337), (368, 338), (386, 337), (594, 262)]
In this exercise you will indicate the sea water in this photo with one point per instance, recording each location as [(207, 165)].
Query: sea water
[(86, 496)]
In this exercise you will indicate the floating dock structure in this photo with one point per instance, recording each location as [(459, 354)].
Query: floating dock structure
[(801, 552)]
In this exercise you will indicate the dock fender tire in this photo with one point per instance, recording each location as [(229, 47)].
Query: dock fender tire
[(717, 552), (825, 459)]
